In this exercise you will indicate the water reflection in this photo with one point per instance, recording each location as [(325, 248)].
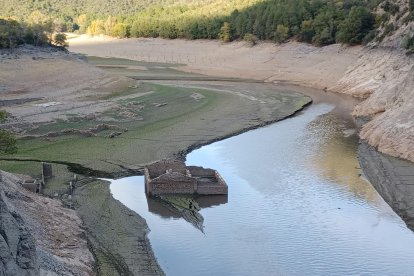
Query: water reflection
[(185, 207), (331, 154), (296, 206)]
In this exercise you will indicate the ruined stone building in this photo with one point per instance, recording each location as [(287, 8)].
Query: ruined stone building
[(169, 176)]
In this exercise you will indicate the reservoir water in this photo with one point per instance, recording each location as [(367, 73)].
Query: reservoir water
[(296, 206)]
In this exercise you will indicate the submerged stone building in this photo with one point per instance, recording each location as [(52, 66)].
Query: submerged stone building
[(170, 176)]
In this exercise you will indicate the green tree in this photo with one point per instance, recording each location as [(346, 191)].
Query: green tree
[(250, 38), (225, 32), (282, 33), (306, 31), (356, 26), (7, 142)]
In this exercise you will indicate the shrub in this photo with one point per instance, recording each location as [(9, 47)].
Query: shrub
[(408, 43), (60, 40), (250, 38), (7, 142), (282, 33), (3, 116)]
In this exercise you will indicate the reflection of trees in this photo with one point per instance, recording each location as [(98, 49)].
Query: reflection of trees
[(335, 157)]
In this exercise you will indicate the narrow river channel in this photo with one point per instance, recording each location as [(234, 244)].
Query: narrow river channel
[(296, 206)]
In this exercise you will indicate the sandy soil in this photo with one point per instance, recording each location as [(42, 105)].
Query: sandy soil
[(52, 84), (293, 62)]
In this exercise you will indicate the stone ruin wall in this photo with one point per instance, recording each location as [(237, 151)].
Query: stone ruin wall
[(176, 187), (184, 184), (220, 188), (162, 166), (201, 172)]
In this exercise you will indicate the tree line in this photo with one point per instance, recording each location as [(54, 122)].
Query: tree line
[(320, 22), (38, 31)]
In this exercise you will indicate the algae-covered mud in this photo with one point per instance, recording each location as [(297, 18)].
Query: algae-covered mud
[(296, 206), (140, 122), (116, 125)]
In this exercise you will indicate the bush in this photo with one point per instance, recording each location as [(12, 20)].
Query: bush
[(391, 7), (120, 30), (250, 38), (281, 34), (7, 142), (60, 40), (3, 116), (408, 43)]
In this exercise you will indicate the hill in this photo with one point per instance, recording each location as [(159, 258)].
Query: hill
[(320, 22)]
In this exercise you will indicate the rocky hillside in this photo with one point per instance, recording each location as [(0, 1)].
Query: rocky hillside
[(384, 76), (38, 235)]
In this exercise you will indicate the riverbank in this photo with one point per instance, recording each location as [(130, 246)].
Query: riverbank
[(107, 124), (380, 76)]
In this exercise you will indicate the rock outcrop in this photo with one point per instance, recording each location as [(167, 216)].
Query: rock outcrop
[(384, 78), (17, 245), (38, 236)]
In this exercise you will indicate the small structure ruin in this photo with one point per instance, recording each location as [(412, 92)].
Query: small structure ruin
[(32, 185), (170, 176)]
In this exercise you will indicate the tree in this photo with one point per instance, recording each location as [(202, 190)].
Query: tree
[(225, 32), (282, 33), (7, 142), (356, 26), (11, 33), (120, 30), (306, 31), (109, 24), (250, 38)]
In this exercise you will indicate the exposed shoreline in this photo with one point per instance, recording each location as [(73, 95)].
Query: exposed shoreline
[(319, 57), (380, 76)]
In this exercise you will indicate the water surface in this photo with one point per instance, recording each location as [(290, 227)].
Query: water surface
[(296, 206)]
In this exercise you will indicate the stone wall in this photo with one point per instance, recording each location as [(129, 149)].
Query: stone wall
[(201, 172), (213, 189), (172, 188), (171, 183), (173, 177), (158, 168)]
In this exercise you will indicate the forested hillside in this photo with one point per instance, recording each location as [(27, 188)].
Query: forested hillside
[(320, 22)]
